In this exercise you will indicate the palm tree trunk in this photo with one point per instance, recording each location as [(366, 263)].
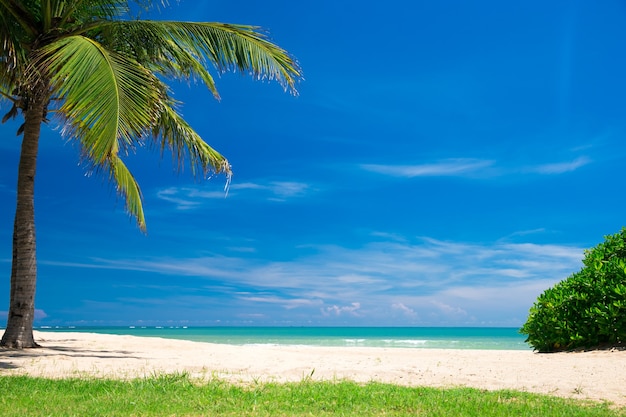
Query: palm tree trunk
[(19, 330)]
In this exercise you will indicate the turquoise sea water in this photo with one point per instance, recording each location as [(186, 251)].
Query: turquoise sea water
[(390, 337)]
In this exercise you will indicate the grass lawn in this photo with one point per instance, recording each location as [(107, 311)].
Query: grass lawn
[(178, 395)]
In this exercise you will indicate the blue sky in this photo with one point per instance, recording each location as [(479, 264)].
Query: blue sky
[(444, 163)]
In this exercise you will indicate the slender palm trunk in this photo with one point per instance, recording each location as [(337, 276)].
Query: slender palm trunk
[(19, 330)]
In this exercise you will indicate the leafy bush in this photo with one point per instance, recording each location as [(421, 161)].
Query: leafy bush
[(586, 310)]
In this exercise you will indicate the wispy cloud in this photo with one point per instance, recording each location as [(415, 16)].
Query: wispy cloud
[(192, 197), (407, 311), (444, 168), (423, 280), (560, 167), (275, 190), (334, 310), (473, 168), (527, 232), (286, 303), (186, 198)]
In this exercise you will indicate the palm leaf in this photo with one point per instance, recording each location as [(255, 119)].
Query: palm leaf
[(21, 13), (104, 76), (128, 187), (182, 49), (87, 11), (108, 100), (176, 134), (13, 36)]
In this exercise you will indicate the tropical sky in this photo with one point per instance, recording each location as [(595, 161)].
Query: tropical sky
[(444, 163)]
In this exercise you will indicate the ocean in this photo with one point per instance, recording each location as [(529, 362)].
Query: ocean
[(495, 338)]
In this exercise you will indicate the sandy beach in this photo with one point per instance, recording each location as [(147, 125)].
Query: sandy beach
[(596, 375)]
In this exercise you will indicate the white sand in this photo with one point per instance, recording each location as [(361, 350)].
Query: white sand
[(598, 375)]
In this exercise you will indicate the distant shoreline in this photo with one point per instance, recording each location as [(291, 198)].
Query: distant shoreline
[(488, 338), (597, 375)]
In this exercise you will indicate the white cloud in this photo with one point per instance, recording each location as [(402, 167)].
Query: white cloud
[(467, 167), (335, 310), (242, 249), (527, 232), (286, 303), (560, 167), (186, 198), (278, 190), (449, 311), (445, 168), (426, 278), (409, 312)]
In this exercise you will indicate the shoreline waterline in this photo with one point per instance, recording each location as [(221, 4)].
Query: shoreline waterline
[(481, 338)]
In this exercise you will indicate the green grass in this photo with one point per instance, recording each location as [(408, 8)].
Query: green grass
[(178, 395)]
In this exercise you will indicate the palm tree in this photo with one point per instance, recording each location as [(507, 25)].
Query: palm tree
[(100, 77)]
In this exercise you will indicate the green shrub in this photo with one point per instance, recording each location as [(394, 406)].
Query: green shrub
[(586, 310)]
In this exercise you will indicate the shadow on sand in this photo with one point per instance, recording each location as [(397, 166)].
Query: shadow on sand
[(7, 356), (45, 350), (7, 365)]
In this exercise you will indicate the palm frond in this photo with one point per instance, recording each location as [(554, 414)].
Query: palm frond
[(13, 37), (13, 60), (108, 100), (22, 13), (182, 49), (105, 76), (84, 11), (47, 14), (108, 103), (127, 187), (175, 134)]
